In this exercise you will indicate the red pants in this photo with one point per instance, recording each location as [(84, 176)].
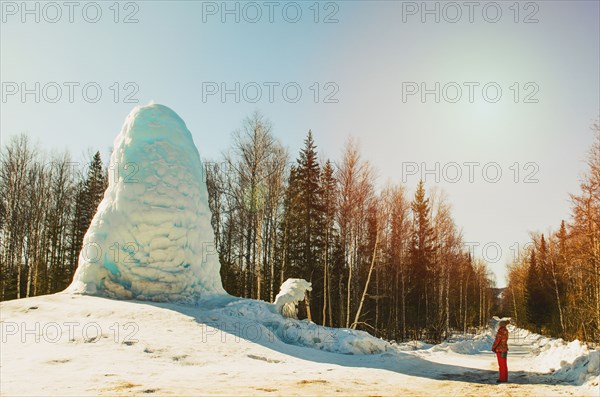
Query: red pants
[(503, 366)]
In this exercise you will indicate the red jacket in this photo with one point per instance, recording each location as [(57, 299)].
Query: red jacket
[(501, 342)]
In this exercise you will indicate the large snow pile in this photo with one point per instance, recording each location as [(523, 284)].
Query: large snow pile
[(151, 238), (568, 361)]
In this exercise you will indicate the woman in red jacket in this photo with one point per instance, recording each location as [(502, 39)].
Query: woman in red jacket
[(500, 347)]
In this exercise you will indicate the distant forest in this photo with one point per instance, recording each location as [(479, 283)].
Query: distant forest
[(379, 259), (554, 284)]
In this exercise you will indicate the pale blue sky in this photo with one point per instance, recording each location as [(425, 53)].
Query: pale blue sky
[(368, 54)]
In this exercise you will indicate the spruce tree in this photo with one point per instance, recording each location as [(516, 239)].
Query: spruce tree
[(95, 186), (88, 194), (329, 208), (290, 228), (303, 221), (421, 251), (311, 213), (547, 270), (535, 295), (562, 242)]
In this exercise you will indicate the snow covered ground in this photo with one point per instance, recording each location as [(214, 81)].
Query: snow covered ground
[(66, 344)]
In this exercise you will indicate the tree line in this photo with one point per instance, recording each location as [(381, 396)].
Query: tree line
[(378, 260), (47, 205), (554, 284)]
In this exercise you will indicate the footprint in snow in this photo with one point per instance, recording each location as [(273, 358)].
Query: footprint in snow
[(269, 360), (267, 389), (59, 361)]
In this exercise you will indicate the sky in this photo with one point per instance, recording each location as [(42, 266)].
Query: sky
[(492, 102)]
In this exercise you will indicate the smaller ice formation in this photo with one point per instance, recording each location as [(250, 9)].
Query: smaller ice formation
[(291, 292)]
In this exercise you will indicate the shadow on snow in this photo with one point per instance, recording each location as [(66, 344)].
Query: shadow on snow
[(394, 361)]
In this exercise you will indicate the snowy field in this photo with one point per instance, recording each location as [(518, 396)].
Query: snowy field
[(68, 344)]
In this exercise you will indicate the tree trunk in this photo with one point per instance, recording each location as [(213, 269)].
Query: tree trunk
[(466, 304), (403, 307), (447, 323), (362, 299), (512, 290), (259, 275), (329, 302), (558, 303), (283, 257), (272, 267), (325, 277), (349, 291), (307, 302)]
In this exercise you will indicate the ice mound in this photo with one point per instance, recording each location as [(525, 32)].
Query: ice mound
[(151, 237), (290, 293)]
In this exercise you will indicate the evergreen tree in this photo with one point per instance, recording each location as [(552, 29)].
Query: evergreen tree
[(421, 251), (546, 305), (562, 241), (329, 191), (290, 228), (535, 296), (305, 219), (88, 194), (94, 188), (558, 264), (329, 208), (310, 208)]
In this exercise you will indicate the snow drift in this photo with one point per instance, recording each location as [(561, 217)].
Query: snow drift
[(572, 362), (267, 324), (470, 345), (151, 237)]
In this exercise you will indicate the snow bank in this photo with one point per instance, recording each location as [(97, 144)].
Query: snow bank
[(473, 345), (571, 362), (260, 322), (151, 237), (568, 361), (477, 343), (411, 346)]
